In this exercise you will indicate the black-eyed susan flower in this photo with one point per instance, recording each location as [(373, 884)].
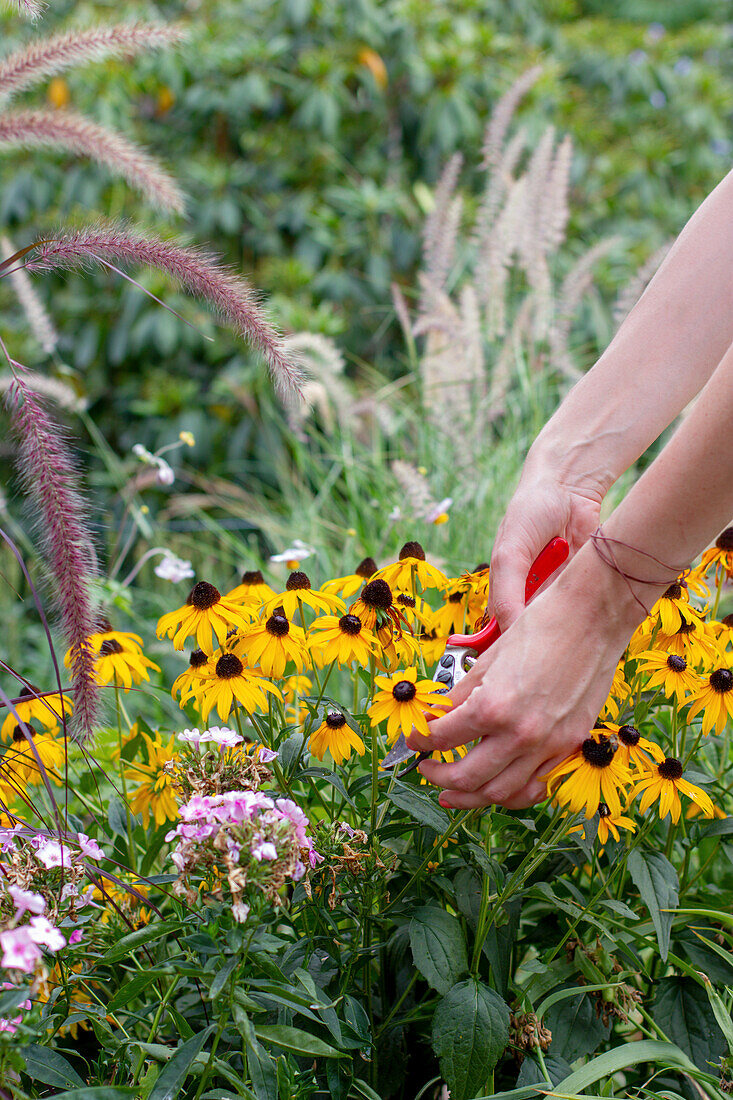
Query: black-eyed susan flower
[(452, 617), (155, 792), (185, 683), (405, 701), (396, 647), (252, 591), (375, 605), (670, 672), (589, 774), (129, 642), (411, 564), (297, 592), (343, 639), (720, 555), (336, 736), (352, 582), (226, 681), (478, 581), (671, 606), (696, 640), (416, 613), (120, 666), (21, 761), (633, 749), (714, 697), (664, 782), (432, 646), (610, 825), (205, 612), (272, 642), (33, 706)]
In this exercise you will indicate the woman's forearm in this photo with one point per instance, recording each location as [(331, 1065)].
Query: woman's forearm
[(662, 355)]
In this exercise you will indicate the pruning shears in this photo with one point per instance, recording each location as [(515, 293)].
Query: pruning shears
[(462, 650)]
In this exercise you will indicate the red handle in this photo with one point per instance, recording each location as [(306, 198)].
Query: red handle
[(545, 564)]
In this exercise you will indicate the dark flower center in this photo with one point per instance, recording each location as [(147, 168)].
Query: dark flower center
[(482, 565), (670, 769), (686, 628), (197, 658), (727, 621), (277, 625), (404, 691), (296, 581), (366, 568), (349, 624), (603, 810), (109, 645), (629, 735), (203, 596), (412, 550), (253, 576), (335, 720), (455, 597), (724, 540), (228, 665), (405, 601), (677, 664), (673, 592), (721, 680), (598, 753), (19, 735), (377, 594), (31, 689)]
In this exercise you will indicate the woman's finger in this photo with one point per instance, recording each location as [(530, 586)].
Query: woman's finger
[(482, 763)]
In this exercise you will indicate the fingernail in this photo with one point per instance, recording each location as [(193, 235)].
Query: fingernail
[(443, 801)]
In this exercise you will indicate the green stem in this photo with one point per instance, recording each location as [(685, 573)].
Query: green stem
[(128, 815), (454, 826), (154, 1027), (212, 1054)]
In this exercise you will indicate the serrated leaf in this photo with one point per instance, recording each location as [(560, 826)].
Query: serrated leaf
[(656, 880), (419, 806), (49, 1067), (470, 1032), (438, 947)]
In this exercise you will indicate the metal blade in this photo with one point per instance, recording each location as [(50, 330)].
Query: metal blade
[(399, 752)]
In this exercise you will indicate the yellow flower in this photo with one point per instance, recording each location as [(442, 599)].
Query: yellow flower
[(695, 640), (127, 896), (715, 698), (591, 772), (292, 688), (608, 824), (375, 605), (664, 781), (205, 610), (343, 640), (720, 555), (121, 665), (155, 793), (351, 583), (273, 642), (253, 590), (670, 608), (404, 700), (334, 735), (298, 591), (47, 710), (396, 647), (633, 748), (432, 646), (186, 683), (452, 617), (668, 671), (228, 681), (400, 576), (618, 693), (478, 580)]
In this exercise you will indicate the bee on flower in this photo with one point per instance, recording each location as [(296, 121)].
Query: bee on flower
[(593, 772), (405, 701)]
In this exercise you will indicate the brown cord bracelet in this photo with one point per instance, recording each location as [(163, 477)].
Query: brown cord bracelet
[(602, 545)]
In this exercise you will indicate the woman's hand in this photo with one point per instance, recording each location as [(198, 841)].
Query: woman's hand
[(532, 698), (543, 506)]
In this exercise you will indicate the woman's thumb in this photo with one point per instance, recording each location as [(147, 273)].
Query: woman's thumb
[(510, 564)]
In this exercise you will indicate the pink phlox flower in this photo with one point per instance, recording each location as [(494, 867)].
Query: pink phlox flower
[(264, 850), (223, 737), (314, 857), (265, 755), (42, 931), (69, 891), (26, 902), (7, 838), (75, 937), (191, 737), (298, 871), (90, 847), (20, 952), (53, 853)]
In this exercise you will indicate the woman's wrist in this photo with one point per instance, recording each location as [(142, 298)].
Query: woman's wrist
[(572, 459)]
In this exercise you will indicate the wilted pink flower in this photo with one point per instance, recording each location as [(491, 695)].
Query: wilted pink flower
[(265, 755)]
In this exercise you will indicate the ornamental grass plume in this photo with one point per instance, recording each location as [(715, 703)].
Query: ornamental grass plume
[(27, 9), (193, 269), (39, 321), (49, 476), (34, 63), (74, 133)]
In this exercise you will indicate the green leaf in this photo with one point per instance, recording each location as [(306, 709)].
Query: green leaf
[(438, 947), (621, 1057), (470, 1032), (296, 1041), (49, 1067), (97, 1092), (361, 1088), (177, 1068), (126, 994), (576, 1029), (222, 977), (326, 776), (656, 881), (419, 806), (683, 1011), (154, 931), (722, 1015)]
